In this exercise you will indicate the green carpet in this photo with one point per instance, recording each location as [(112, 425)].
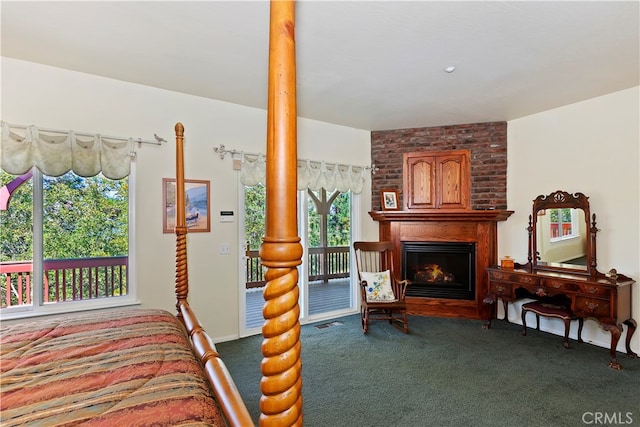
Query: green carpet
[(447, 372)]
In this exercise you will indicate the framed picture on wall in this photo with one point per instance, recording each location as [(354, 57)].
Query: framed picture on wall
[(197, 203), (389, 200)]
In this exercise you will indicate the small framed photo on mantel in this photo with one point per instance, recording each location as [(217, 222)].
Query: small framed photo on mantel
[(389, 200)]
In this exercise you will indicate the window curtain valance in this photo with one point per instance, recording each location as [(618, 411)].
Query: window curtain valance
[(57, 154), (311, 174)]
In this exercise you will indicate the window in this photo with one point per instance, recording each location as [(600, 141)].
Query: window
[(64, 243), (562, 224)]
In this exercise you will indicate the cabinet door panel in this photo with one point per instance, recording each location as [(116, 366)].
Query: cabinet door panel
[(452, 188), (436, 180), (421, 183)]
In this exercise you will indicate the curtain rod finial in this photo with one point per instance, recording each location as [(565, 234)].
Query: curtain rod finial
[(221, 150)]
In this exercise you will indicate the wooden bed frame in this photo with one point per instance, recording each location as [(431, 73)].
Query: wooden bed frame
[(281, 251)]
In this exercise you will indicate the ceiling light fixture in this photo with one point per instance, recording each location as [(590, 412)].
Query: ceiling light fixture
[(450, 69)]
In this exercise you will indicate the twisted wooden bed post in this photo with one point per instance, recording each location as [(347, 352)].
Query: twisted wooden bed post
[(281, 251), (182, 278), (218, 376)]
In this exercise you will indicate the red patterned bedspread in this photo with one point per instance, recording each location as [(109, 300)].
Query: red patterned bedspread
[(122, 368)]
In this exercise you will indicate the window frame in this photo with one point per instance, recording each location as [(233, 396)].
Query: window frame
[(574, 229), (37, 307)]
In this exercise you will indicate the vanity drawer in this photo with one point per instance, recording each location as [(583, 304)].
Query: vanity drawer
[(594, 290), (596, 307), (501, 289), (513, 278), (560, 285)]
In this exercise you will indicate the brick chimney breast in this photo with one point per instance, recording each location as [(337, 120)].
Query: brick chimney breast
[(486, 141)]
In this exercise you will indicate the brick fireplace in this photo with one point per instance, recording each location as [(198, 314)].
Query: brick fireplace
[(477, 228)]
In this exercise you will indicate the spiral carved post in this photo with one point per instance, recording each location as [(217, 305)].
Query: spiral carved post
[(182, 279), (281, 252), (593, 230), (530, 237)]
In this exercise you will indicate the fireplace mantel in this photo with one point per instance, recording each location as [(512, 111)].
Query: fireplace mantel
[(441, 215), (478, 226)]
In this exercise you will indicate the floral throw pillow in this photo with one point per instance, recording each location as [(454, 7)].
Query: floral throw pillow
[(378, 287)]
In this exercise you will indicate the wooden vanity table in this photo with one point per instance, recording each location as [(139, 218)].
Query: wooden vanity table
[(587, 292)]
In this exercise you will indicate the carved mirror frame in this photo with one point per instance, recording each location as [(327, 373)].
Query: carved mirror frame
[(557, 200)]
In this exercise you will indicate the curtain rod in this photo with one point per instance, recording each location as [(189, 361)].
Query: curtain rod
[(222, 151), (157, 139)]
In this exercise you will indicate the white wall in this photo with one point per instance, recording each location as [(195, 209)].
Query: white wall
[(590, 147), (61, 99)]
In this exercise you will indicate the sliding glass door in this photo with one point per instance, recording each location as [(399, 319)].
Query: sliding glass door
[(325, 224), (328, 243)]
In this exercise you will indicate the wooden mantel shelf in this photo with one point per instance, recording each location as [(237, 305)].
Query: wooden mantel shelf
[(441, 215)]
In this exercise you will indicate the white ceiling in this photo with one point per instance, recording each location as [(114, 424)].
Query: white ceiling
[(365, 64)]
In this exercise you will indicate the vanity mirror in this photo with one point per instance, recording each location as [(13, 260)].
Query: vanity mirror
[(560, 236)]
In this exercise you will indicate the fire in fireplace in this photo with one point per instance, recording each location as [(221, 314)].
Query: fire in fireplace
[(440, 269)]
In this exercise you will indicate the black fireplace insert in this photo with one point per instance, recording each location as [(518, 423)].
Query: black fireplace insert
[(440, 269)]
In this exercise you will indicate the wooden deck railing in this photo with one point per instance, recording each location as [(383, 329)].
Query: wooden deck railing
[(91, 278), (324, 264), (64, 280)]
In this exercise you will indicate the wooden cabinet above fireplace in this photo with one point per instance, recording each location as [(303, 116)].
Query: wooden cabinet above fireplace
[(436, 180)]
